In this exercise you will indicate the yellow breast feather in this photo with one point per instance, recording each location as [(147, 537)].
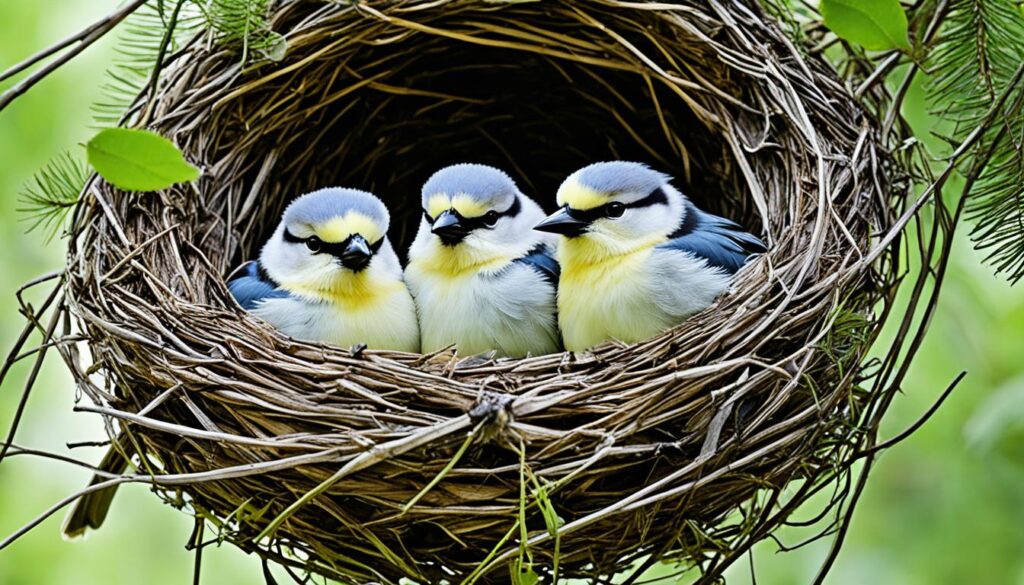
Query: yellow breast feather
[(605, 296), (350, 292), (459, 261)]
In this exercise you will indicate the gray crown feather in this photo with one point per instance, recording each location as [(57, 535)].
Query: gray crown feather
[(487, 185), (621, 177), (319, 207)]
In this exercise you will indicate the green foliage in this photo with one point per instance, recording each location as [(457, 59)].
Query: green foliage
[(874, 24), (552, 521), (238, 23), (981, 45), (53, 192), (149, 37), (243, 23), (138, 160), (138, 49), (522, 575), (997, 426)]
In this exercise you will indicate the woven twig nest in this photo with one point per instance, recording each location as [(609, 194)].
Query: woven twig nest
[(676, 447)]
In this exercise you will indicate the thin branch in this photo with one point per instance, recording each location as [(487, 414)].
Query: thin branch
[(197, 541), (154, 80), (108, 21), (917, 424), (30, 381), (84, 41)]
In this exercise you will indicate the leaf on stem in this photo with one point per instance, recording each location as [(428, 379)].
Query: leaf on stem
[(138, 160)]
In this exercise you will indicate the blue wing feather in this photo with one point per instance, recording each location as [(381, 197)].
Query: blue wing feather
[(542, 260), (253, 287), (719, 241)]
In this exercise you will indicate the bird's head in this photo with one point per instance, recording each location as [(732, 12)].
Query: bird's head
[(616, 206), (326, 236), (476, 208)]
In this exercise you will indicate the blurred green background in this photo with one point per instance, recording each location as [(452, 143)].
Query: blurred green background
[(945, 507)]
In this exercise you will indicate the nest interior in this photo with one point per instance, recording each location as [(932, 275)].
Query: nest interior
[(646, 450)]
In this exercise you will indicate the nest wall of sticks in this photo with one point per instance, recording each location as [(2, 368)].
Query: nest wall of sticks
[(372, 466)]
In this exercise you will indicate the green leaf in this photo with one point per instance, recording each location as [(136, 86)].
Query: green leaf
[(138, 160), (874, 24)]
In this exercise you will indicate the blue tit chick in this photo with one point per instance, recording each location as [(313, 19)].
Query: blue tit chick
[(482, 278), (329, 274), (637, 257)]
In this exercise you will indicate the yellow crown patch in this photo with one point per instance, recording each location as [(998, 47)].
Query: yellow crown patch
[(581, 197), (338, 229), (464, 204)]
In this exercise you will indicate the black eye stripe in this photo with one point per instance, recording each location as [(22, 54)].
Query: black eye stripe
[(334, 249), (472, 223), (292, 238), (657, 197)]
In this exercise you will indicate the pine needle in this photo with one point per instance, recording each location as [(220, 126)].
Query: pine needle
[(138, 50), (244, 24), (48, 197), (978, 52)]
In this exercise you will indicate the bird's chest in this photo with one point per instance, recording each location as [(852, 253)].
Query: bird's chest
[(387, 321), (608, 300), (479, 312), (456, 310)]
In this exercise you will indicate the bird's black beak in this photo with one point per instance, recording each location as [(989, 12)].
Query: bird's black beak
[(357, 254), (449, 227), (562, 222)]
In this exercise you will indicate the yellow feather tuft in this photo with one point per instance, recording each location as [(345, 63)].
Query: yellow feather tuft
[(338, 229), (468, 207), (581, 197), (352, 292), (602, 293), (438, 204), (598, 248), (464, 204)]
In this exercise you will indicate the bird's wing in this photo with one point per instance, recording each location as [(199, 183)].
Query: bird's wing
[(542, 260), (254, 286), (719, 241)]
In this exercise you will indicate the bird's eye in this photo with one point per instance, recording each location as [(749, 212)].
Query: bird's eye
[(615, 209), (491, 218), (314, 244)]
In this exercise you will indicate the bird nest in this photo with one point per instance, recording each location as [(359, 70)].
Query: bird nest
[(371, 466)]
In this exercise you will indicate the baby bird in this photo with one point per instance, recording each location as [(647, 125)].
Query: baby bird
[(637, 256), (329, 274), (482, 278)]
